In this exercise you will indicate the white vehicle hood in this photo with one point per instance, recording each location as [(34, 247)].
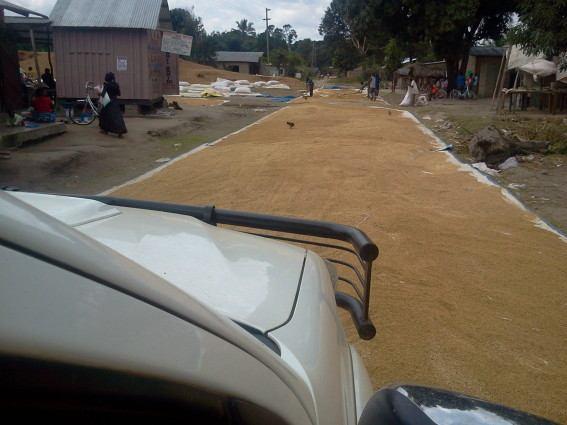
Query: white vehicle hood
[(250, 279)]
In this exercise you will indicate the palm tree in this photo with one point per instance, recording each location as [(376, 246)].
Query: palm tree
[(245, 27)]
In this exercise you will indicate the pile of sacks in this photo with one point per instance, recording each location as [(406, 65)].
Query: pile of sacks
[(226, 88), (196, 90), (234, 88)]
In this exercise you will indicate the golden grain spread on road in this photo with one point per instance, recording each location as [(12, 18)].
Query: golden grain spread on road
[(468, 293)]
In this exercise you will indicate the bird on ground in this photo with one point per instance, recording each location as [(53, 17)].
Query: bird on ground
[(291, 124), (389, 112)]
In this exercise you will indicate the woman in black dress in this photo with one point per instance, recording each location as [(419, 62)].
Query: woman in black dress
[(111, 120)]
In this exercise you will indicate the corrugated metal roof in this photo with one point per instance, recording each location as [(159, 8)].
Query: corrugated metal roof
[(140, 14), (18, 9), (20, 20), (487, 51), (238, 56)]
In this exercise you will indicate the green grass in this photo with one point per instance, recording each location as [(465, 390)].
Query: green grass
[(467, 125)]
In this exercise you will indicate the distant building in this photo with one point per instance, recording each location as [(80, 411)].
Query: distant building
[(485, 61), (90, 39), (243, 62)]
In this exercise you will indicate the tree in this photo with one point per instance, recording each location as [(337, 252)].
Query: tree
[(277, 39), (394, 56), (290, 35), (463, 23), (345, 57), (448, 29), (542, 27), (245, 27), (186, 22), (350, 20), (283, 58)]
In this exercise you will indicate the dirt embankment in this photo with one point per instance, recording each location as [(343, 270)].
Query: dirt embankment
[(195, 73)]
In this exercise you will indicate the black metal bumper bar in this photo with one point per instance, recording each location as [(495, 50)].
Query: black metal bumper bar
[(363, 248)]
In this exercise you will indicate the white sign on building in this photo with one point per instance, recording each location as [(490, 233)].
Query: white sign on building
[(121, 63), (179, 44)]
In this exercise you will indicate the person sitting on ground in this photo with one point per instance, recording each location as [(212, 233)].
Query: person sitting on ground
[(42, 106), (110, 118), (434, 91)]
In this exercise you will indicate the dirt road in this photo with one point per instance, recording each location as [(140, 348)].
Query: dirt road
[(468, 293)]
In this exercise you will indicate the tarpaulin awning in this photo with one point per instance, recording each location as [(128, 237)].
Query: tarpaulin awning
[(518, 58), (540, 68)]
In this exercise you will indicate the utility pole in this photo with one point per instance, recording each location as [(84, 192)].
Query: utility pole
[(313, 47), (267, 34)]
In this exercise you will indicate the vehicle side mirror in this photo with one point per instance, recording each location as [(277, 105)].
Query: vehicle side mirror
[(413, 405)]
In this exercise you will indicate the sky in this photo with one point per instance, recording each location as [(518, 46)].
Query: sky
[(303, 15)]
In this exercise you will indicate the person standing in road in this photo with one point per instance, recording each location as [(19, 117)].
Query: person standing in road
[(110, 119), (412, 92), (374, 86), (310, 86), (378, 81)]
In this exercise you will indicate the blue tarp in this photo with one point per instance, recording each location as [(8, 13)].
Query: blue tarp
[(283, 99), (334, 87)]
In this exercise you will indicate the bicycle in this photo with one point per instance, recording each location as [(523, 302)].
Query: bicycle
[(465, 93), (84, 111)]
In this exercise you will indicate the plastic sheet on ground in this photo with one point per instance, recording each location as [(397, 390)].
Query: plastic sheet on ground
[(279, 86), (282, 99), (333, 87), (481, 166)]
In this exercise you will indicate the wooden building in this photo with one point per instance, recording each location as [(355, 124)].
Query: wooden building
[(93, 37), (485, 61)]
